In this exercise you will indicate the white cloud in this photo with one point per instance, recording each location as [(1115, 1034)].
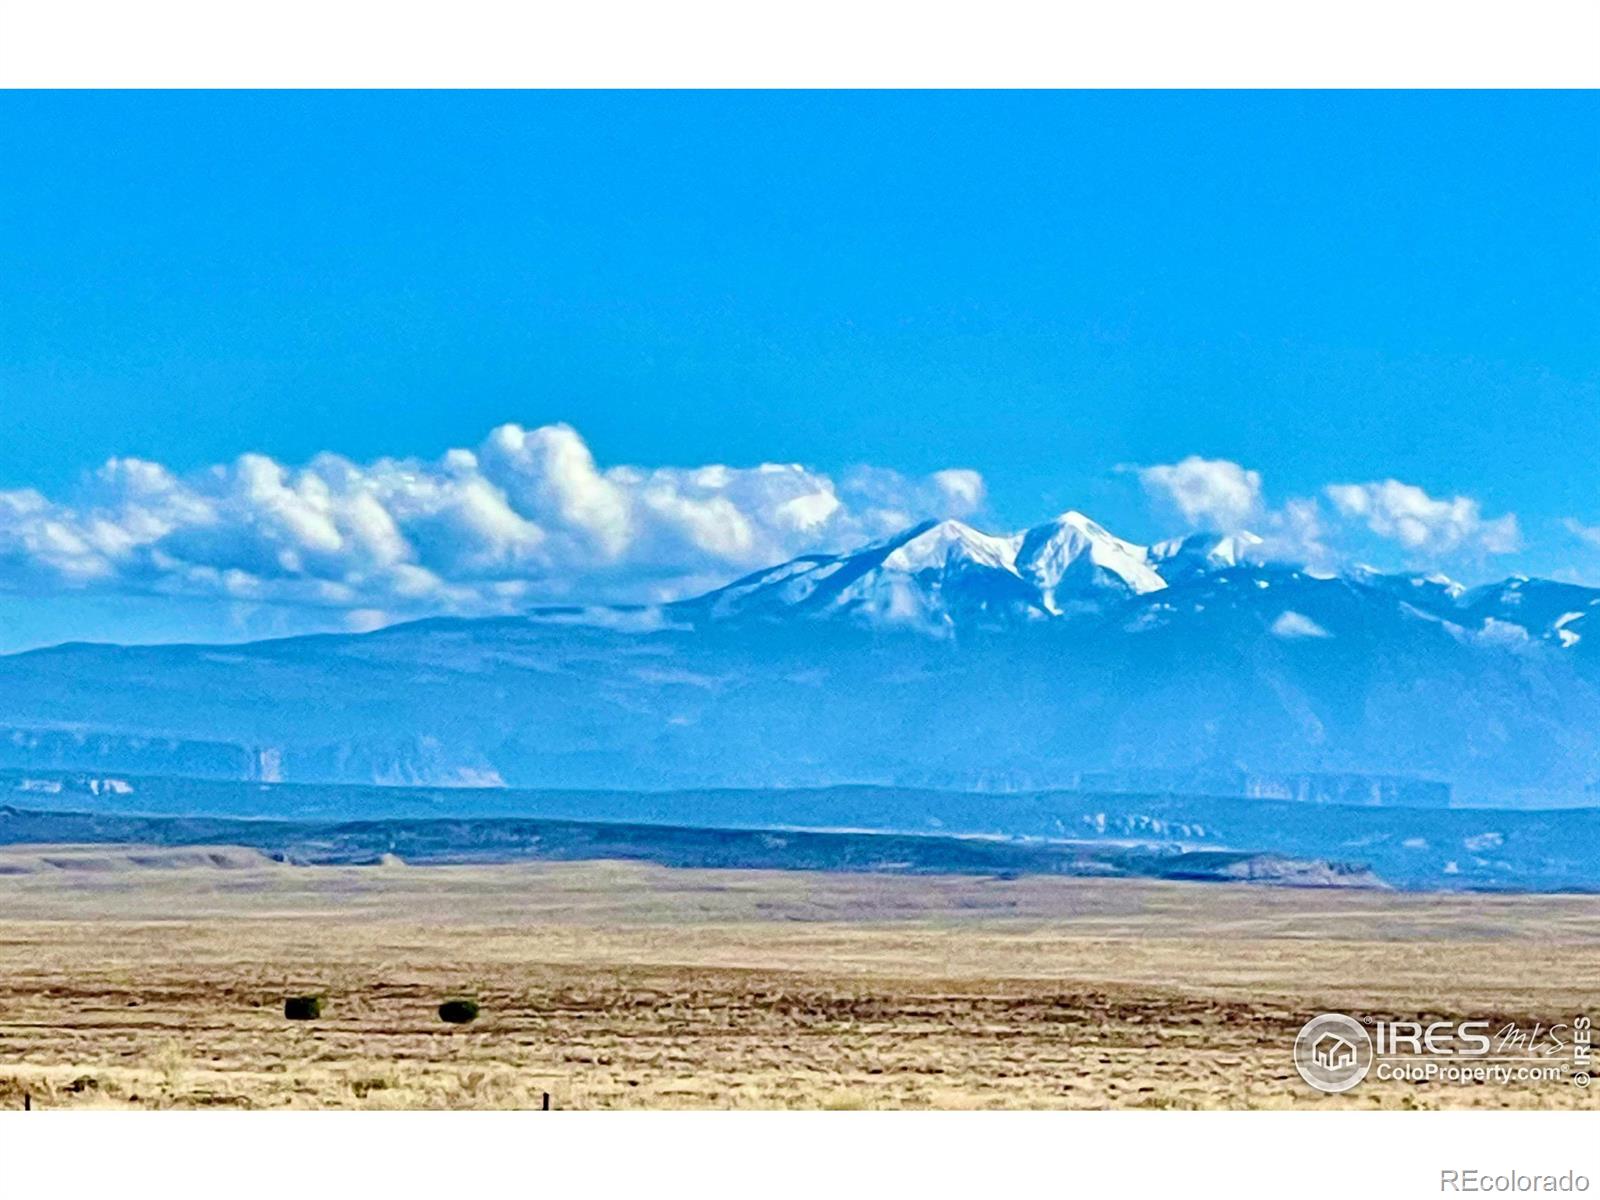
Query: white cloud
[(525, 517), (1207, 492), (1584, 533), (1220, 495), (1297, 532), (886, 501), (1225, 496), (365, 620), (1424, 525), (962, 488)]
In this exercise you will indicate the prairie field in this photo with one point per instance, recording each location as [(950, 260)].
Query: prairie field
[(155, 978)]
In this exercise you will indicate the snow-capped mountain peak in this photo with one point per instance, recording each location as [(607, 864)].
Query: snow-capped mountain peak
[(942, 656), (929, 576), (940, 577), (936, 544), (1073, 554), (940, 574)]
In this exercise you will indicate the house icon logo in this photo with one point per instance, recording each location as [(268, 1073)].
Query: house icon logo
[(1333, 1052)]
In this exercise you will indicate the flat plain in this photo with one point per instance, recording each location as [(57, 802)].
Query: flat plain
[(154, 977)]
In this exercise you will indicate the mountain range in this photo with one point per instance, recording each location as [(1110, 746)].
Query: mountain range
[(1058, 657), (876, 828)]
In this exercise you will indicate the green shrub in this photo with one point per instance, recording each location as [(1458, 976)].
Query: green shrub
[(302, 1008), (458, 1012)]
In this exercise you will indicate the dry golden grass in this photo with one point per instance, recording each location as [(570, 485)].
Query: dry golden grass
[(131, 979)]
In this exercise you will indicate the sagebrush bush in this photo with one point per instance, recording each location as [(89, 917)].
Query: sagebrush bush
[(458, 1012), (302, 1008)]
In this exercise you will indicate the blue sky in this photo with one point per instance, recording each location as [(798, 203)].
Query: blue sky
[(1049, 290)]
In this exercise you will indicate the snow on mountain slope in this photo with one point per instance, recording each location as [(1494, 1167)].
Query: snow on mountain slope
[(939, 575), (928, 577), (937, 545), (1072, 556), (1550, 612), (940, 657)]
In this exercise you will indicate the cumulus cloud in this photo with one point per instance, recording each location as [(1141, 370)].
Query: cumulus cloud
[(888, 501), (1298, 532), (526, 516), (1212, 493), (1422, 524), (1220, 495), (1589, 534), (1316, 530)]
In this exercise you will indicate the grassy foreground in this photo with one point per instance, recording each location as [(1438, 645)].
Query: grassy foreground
[(148, 978)]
